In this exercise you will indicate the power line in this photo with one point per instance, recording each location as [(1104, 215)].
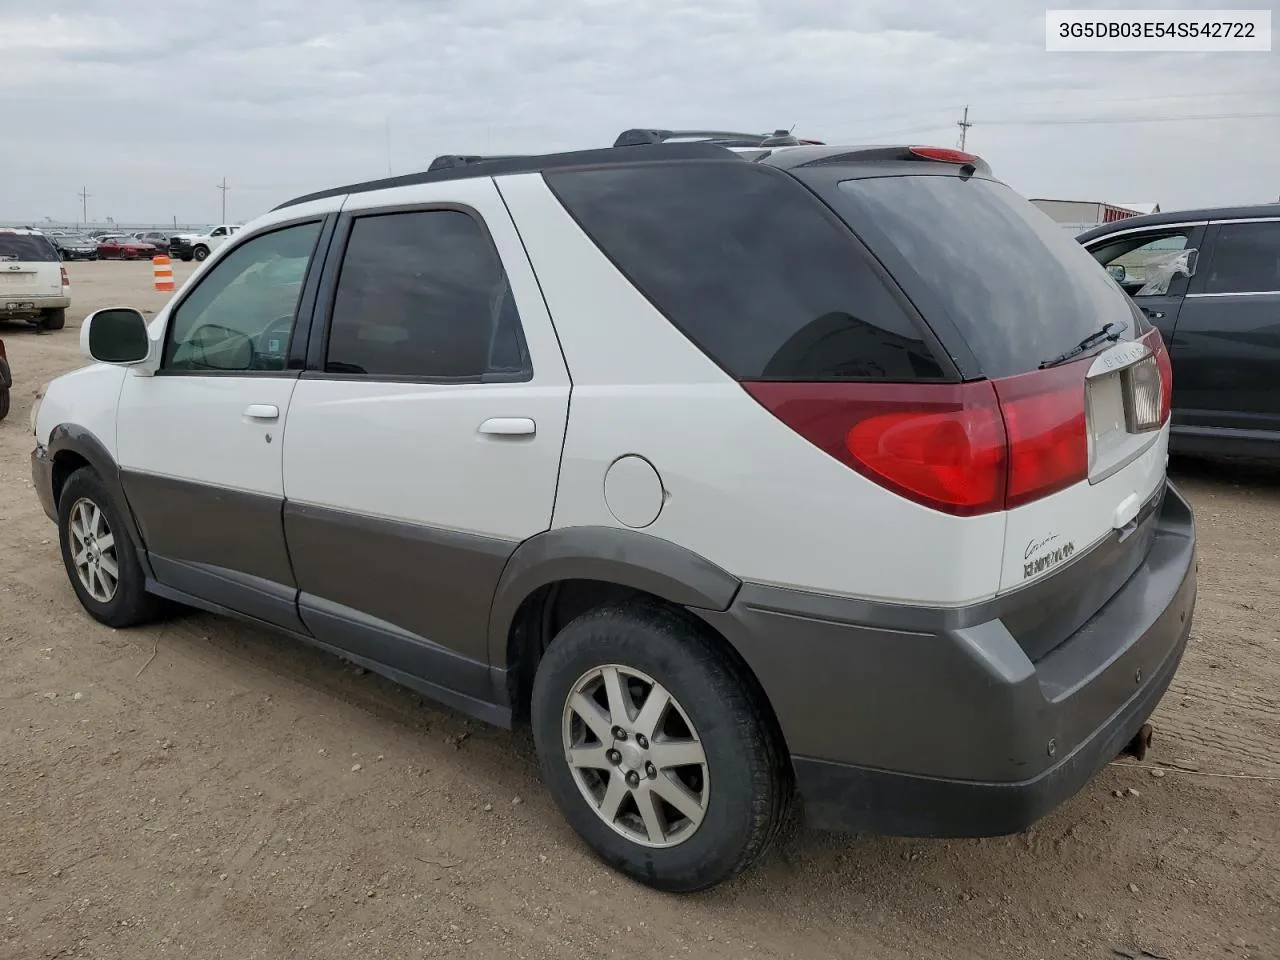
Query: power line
[(1021, 122)]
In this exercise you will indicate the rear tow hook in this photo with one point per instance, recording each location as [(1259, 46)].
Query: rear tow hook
[(1140, 744)]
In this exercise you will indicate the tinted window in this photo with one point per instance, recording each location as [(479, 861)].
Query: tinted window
[(424, 295), (27, 247), (1246, 259), (749, 267), (241, 315), (1017, 286)]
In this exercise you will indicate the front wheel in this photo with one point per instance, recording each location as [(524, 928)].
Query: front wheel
[(99, 556), (653, 743), (199, 253)]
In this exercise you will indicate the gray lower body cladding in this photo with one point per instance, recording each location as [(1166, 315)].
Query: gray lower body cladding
[(957, 731)]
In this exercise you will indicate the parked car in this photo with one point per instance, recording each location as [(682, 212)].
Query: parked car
[(156, 238), (74, 246), (34, 285), (121, 246), (6, 381), (197, 246), (1210, 281), (729, 470)]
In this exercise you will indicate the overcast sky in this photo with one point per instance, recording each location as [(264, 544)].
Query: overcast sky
[(150, 104)]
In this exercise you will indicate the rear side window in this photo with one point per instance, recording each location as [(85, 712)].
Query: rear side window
[(423, 295), (1246, 259), (1019, 289), (26, 247), (751, 268)]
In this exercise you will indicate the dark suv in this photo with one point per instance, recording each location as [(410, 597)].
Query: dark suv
[(1210, 280)]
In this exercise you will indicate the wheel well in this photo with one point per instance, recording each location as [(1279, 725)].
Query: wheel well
[(64, 465), (548, 609)]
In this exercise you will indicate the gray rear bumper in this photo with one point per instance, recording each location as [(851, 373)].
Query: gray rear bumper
[(954, 730)]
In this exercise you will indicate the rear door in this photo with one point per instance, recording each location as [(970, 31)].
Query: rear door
[(1001, 282), (29, 267), (423, 441), (1226, 351)]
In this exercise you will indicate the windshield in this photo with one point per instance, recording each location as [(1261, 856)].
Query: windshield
[(1016, 285), (27, 247)]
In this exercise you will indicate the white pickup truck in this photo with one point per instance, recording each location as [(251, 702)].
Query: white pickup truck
[(197, 246)]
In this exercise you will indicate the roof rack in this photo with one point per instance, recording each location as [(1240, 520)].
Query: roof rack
[(460, 167), (450, 161), (723, 138)]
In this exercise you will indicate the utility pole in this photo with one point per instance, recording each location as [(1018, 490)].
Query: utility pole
[(387, 124), (84, 204), (224, 188), (964, 124)]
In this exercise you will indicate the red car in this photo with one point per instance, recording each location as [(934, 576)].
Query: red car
[(122, 247)]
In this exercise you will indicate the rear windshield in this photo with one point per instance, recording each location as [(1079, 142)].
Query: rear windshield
[(749, 266), (27, 247), (1016, 285)]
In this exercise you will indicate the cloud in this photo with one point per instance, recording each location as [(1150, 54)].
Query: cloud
[(149, 106)]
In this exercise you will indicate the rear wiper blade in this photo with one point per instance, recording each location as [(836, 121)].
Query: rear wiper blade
[(1106, 333)]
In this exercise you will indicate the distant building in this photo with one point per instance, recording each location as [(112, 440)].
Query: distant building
[(1078, 216)]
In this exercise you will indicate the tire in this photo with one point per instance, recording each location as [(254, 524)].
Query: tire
[(199, 253), (4, 402), (743, 789), (128, 604), (53, 320)]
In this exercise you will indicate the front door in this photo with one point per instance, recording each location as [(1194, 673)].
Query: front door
[(423, 441), (199, 441), (1226, 355)]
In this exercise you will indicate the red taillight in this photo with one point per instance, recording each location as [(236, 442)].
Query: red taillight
[(1048, 440), (66, 280), (944, 154), (1156, 342), (964, 449)]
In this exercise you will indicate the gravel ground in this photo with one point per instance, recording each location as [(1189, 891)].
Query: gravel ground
[(210, 790)]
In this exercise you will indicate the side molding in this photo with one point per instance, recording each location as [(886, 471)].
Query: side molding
[(70, 438), (612, 555)]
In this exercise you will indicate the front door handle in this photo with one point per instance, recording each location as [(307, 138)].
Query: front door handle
[(509, 427), (262, 411)]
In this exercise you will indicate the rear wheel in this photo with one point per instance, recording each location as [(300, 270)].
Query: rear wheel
[(4, 402), (653, 745), (199, 253), (53, 319), (99, 556)]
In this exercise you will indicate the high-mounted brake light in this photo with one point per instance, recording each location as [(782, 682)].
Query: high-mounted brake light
[(944, 154)]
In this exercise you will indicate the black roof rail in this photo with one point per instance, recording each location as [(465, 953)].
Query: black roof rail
[(449, 161), (502, 166), (724, 138)]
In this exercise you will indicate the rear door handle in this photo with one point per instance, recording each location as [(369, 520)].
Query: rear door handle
[(509, 427), (262, 411)]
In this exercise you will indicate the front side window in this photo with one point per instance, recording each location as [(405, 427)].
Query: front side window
[(241, 316), (1246, 259), (423, 295), (1139, 262)]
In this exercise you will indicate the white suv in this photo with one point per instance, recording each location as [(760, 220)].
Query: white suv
[(739, 474), (34, 285)]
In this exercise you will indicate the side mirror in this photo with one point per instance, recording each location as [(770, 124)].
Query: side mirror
[(116, 335), (1118, 272)]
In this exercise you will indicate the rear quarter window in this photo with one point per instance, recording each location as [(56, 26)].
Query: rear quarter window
[(26, 247), (751, 268)]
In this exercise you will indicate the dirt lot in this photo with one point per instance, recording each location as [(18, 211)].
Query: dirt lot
[(208, 790)]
